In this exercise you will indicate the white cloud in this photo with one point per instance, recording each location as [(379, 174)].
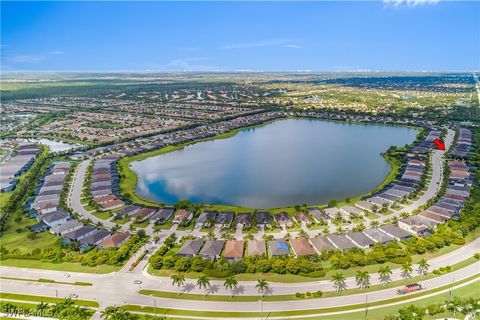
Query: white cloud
[(294, 46), (31, 58), (409, 3), (264, 43)]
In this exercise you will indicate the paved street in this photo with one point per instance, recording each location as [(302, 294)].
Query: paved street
[(118, 287)]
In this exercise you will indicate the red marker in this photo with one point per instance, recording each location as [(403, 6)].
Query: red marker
[(440, 144)]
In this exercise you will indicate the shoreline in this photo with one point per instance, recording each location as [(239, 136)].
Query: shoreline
[(129, 179)]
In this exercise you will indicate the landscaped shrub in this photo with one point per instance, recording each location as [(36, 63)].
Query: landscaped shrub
[(315, 274), (402, 260), (215, 273)]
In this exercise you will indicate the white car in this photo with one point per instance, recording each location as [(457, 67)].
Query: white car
[(137, 282)]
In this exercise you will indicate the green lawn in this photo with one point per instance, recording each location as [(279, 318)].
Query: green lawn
[(103, 215), (11, 239), (49, 281), (30, 298), (64, 266)]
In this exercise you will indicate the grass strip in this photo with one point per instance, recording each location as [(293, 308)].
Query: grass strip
[(76, 283), (165, 311), (289, 297), (31, 298)]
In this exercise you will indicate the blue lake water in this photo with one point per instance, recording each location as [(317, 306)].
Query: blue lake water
[(287, 162)]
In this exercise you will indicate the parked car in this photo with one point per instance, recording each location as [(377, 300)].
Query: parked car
[(411, 288)]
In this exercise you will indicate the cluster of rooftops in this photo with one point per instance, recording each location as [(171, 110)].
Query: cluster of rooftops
[(448, 206), (19, 163), (104, 183), (463, 144), (47, 210), (237, 249)]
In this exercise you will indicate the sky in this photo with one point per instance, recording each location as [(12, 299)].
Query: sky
[(389, 35)]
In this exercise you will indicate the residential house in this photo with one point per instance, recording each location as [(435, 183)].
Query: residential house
[(115, 240), (66, 227), (224, 219), (360, 239), (256, 248), (302, 218), (279, 247), (182, 216), (245, 219), (283, 219), (212, 249), (234, 249), (321, 244), (301, 247), (205, 220), (190, 247)]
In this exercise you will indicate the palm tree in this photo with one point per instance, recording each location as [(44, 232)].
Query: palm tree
[(262, 286), (363, 278), (203, 282), (406, 269), (385, 272), (374, 224), (111, 313), (423, 266), (230, 284), (338, 280), (41, 307), (179, 280)]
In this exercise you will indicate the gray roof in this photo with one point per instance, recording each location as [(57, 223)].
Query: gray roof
[(224, 218), (74, 235), (66, 226), (212, 248), (96, 238), (378, 235), (360, 239), (164, 214), (262, 217), (53, 216), (190, 247), (244, 218), (394, 231), (321, 244), (341, 242)]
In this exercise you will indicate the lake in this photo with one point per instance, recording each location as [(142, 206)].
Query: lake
[(285, 163)]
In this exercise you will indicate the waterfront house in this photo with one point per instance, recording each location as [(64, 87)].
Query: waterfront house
[(205, 220), (182, 216), (245, 219), (224, 219), (262, 219), (162, 215), (301, 218), (283, 219)]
